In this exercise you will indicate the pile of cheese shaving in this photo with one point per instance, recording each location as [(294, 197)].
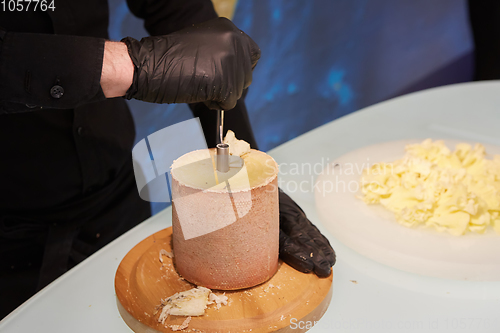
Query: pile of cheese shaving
[(455, 191)]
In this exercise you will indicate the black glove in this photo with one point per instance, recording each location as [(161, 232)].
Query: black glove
[(302, 245), (210, 62)]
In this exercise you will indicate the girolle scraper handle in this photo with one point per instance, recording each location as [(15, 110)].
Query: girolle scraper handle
[(222, 148)]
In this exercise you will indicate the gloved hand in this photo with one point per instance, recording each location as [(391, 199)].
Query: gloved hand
[(210, 62), (302, 245)]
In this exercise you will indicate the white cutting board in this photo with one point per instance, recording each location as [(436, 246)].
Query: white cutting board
[(372, 231)]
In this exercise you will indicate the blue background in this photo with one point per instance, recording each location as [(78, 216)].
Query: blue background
[(323, 59)]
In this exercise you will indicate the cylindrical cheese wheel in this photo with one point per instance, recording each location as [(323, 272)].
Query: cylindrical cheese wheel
[(225, 225)]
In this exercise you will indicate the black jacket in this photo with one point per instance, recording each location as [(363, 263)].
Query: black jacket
[(66, 181)]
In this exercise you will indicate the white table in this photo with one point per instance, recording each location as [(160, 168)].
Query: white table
[(383, 299)]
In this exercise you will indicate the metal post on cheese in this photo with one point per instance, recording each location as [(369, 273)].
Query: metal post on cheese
[(223, 157)]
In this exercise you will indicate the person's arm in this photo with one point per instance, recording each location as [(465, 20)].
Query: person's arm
[(115, 78), (117, 70), (211, 62)]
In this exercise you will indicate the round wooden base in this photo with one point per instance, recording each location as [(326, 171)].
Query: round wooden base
[(278, 305)]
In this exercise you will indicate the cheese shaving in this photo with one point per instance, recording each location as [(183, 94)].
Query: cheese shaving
[(236, 147), (182, 326), (192, 302)]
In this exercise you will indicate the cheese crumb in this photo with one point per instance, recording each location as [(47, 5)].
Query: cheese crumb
[(266, 289), (182, 326), (457, 191), (217, 299), (165, 253)]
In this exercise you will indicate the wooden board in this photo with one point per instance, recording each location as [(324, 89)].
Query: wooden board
[(373, 231), (141, 282)]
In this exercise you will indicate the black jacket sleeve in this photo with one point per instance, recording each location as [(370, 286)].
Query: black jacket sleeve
[(162, 17), (49, 71)]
